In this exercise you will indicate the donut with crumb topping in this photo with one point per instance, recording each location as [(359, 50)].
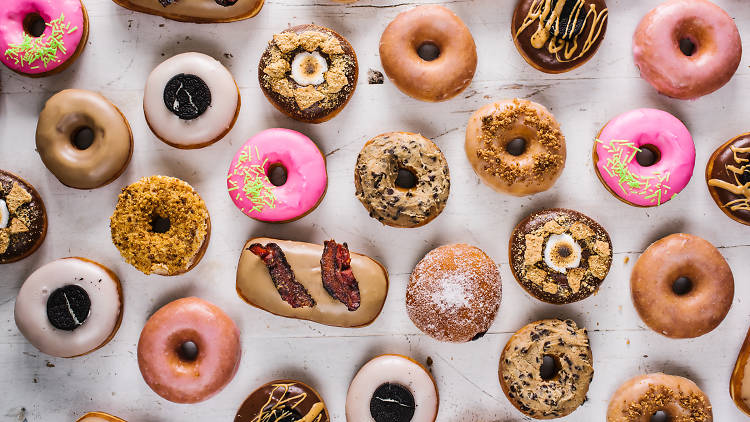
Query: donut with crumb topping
[(161, 225), (678, 398)]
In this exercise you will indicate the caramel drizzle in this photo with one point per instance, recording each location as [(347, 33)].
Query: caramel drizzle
[(541, 9), (742, 204), (268, 409)]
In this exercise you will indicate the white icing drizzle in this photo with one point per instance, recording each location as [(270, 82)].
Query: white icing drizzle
[(4, 214), (559, 263)]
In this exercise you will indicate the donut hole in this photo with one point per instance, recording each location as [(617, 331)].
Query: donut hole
[(160, 224), (277, 174), (659, 416), (187, 351), (428, 51), (34, 25), (516, 146), (550, 367), (405, 179), (392, 403), (648, 155), (82, 138), (682, 286), (687, 46)]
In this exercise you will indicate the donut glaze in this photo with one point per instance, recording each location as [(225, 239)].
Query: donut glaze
[(283, 400), (63, 39), (638, 399), (99, 417), (712, 32), (615, 161), (252, 191), (23, 218), (199, 11), (178, 379), (728, 175), (739, 384)]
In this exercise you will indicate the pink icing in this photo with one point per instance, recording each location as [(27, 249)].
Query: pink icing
[(624, 135), (58, 43), (256, 196)]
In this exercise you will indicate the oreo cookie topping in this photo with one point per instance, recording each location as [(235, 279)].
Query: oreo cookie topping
[(336, 273), (22, 218), (728, 177), (187, 96), (68, 307), (392, 403), (290, 290)]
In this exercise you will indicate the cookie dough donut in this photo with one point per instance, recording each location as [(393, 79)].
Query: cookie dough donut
[(644, 396), (454, 293), (739, 384), (325, 283), (191, 101), (428, 53), (515, 146), (42, 37), (83, 139), (687, 48), (189, 350), (283, 400), (23, 218), (309, 73), (198, 11), (402, 179), (644, 157), (392, 388), (560, 256), (99, 417), (161, 225), (546, 368), (278, 176), (728, 178), (559, 35), (681, 286), (69, 307)]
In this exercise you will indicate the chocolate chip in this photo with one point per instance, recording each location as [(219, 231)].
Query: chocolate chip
[(428, 51), (82, 138), (277, 175), (406, 179), (68, 307), (187, 96), (188, 351), (659, 416), (687, 46), (682, 286), (392, 403), (549, 368), (516, 147)]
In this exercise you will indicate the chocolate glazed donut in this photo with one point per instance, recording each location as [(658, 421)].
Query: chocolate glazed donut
[(728, 175), (23, 218)]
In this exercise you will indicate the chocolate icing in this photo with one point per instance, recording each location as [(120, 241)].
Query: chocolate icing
[(31, 214), (734, 154), (283, 401)]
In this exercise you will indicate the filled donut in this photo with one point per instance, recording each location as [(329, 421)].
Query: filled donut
[(668, 397), (728, 178), (283, 400), (83, 139), (99, 417), (199, 11), (739, 383), (69, 307), (23, 218)]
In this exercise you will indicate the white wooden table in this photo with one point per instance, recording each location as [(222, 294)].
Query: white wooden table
[(125, 46)]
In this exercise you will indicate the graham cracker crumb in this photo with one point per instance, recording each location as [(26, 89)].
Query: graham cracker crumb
[(580, 231), (17, 197), (575, 275), (533, 252), (4, 240), (536, 275), (17, 226), (598, 266)]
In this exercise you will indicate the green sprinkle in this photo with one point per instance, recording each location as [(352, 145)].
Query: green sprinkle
[(255, 184), (44, 49), (622, 153)]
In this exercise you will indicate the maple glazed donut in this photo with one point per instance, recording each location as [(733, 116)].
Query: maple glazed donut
[(681, 286), (728, 175), (676, 398), (198, 11), (283, 400), (428, 53), (189, 350), (83, 139), (687, 48), (23, 218)]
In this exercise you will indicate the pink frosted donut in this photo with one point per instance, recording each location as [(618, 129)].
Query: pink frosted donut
[(189, 350), (279, 175), (687, 48), (41, 37), (644, 157)]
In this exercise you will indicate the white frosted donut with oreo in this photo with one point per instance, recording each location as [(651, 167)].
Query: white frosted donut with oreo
[(191, 101), (69, 307)]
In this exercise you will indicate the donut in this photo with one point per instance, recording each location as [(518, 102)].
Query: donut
[(99, 417), (644, 157), (687, 48), (198, 11), (560, 256), (191, 101), (402, 179), (428, 53), (546, 368), (322, 283), (161, 225), (556, 36), (671, 397), (728, 178), (69, 307), (277, 176), (739, 384), (308, 72), (392, 388), (283, 400), (83, 139), (42, 37), (681, 286), (23, 218), (515, 146), (454, 293), (189, 350)]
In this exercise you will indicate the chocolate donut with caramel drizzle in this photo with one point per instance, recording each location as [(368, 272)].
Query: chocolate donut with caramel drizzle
[(282, 401), (728, 178)]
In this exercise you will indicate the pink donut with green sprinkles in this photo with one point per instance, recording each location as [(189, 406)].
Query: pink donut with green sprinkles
[(41, 37)]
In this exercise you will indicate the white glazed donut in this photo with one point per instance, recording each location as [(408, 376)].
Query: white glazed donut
[(372, 398), (177, 108), (51, 310)]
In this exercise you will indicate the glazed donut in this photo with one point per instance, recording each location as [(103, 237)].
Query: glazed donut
[(191, 101), (283, 400), (83, 139), (687, 48), (23, 218), (42, 37), (277, 176), (189, 350), (739, 384), (392, 388), (428, 53), (69, 307), (454, 293), (325, 284), (99, 417), (515, 146), (199, 11), (728, 175), (558, 36), (681, 286), (644, 157), (546, 368), (309, 73), (402, 179), (161, 225), (640, 398)]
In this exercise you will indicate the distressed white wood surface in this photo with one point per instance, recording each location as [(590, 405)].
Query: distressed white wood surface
[(125, 46)]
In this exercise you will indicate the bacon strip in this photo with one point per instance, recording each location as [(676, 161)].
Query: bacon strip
[(338, 278), (290, 290)]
